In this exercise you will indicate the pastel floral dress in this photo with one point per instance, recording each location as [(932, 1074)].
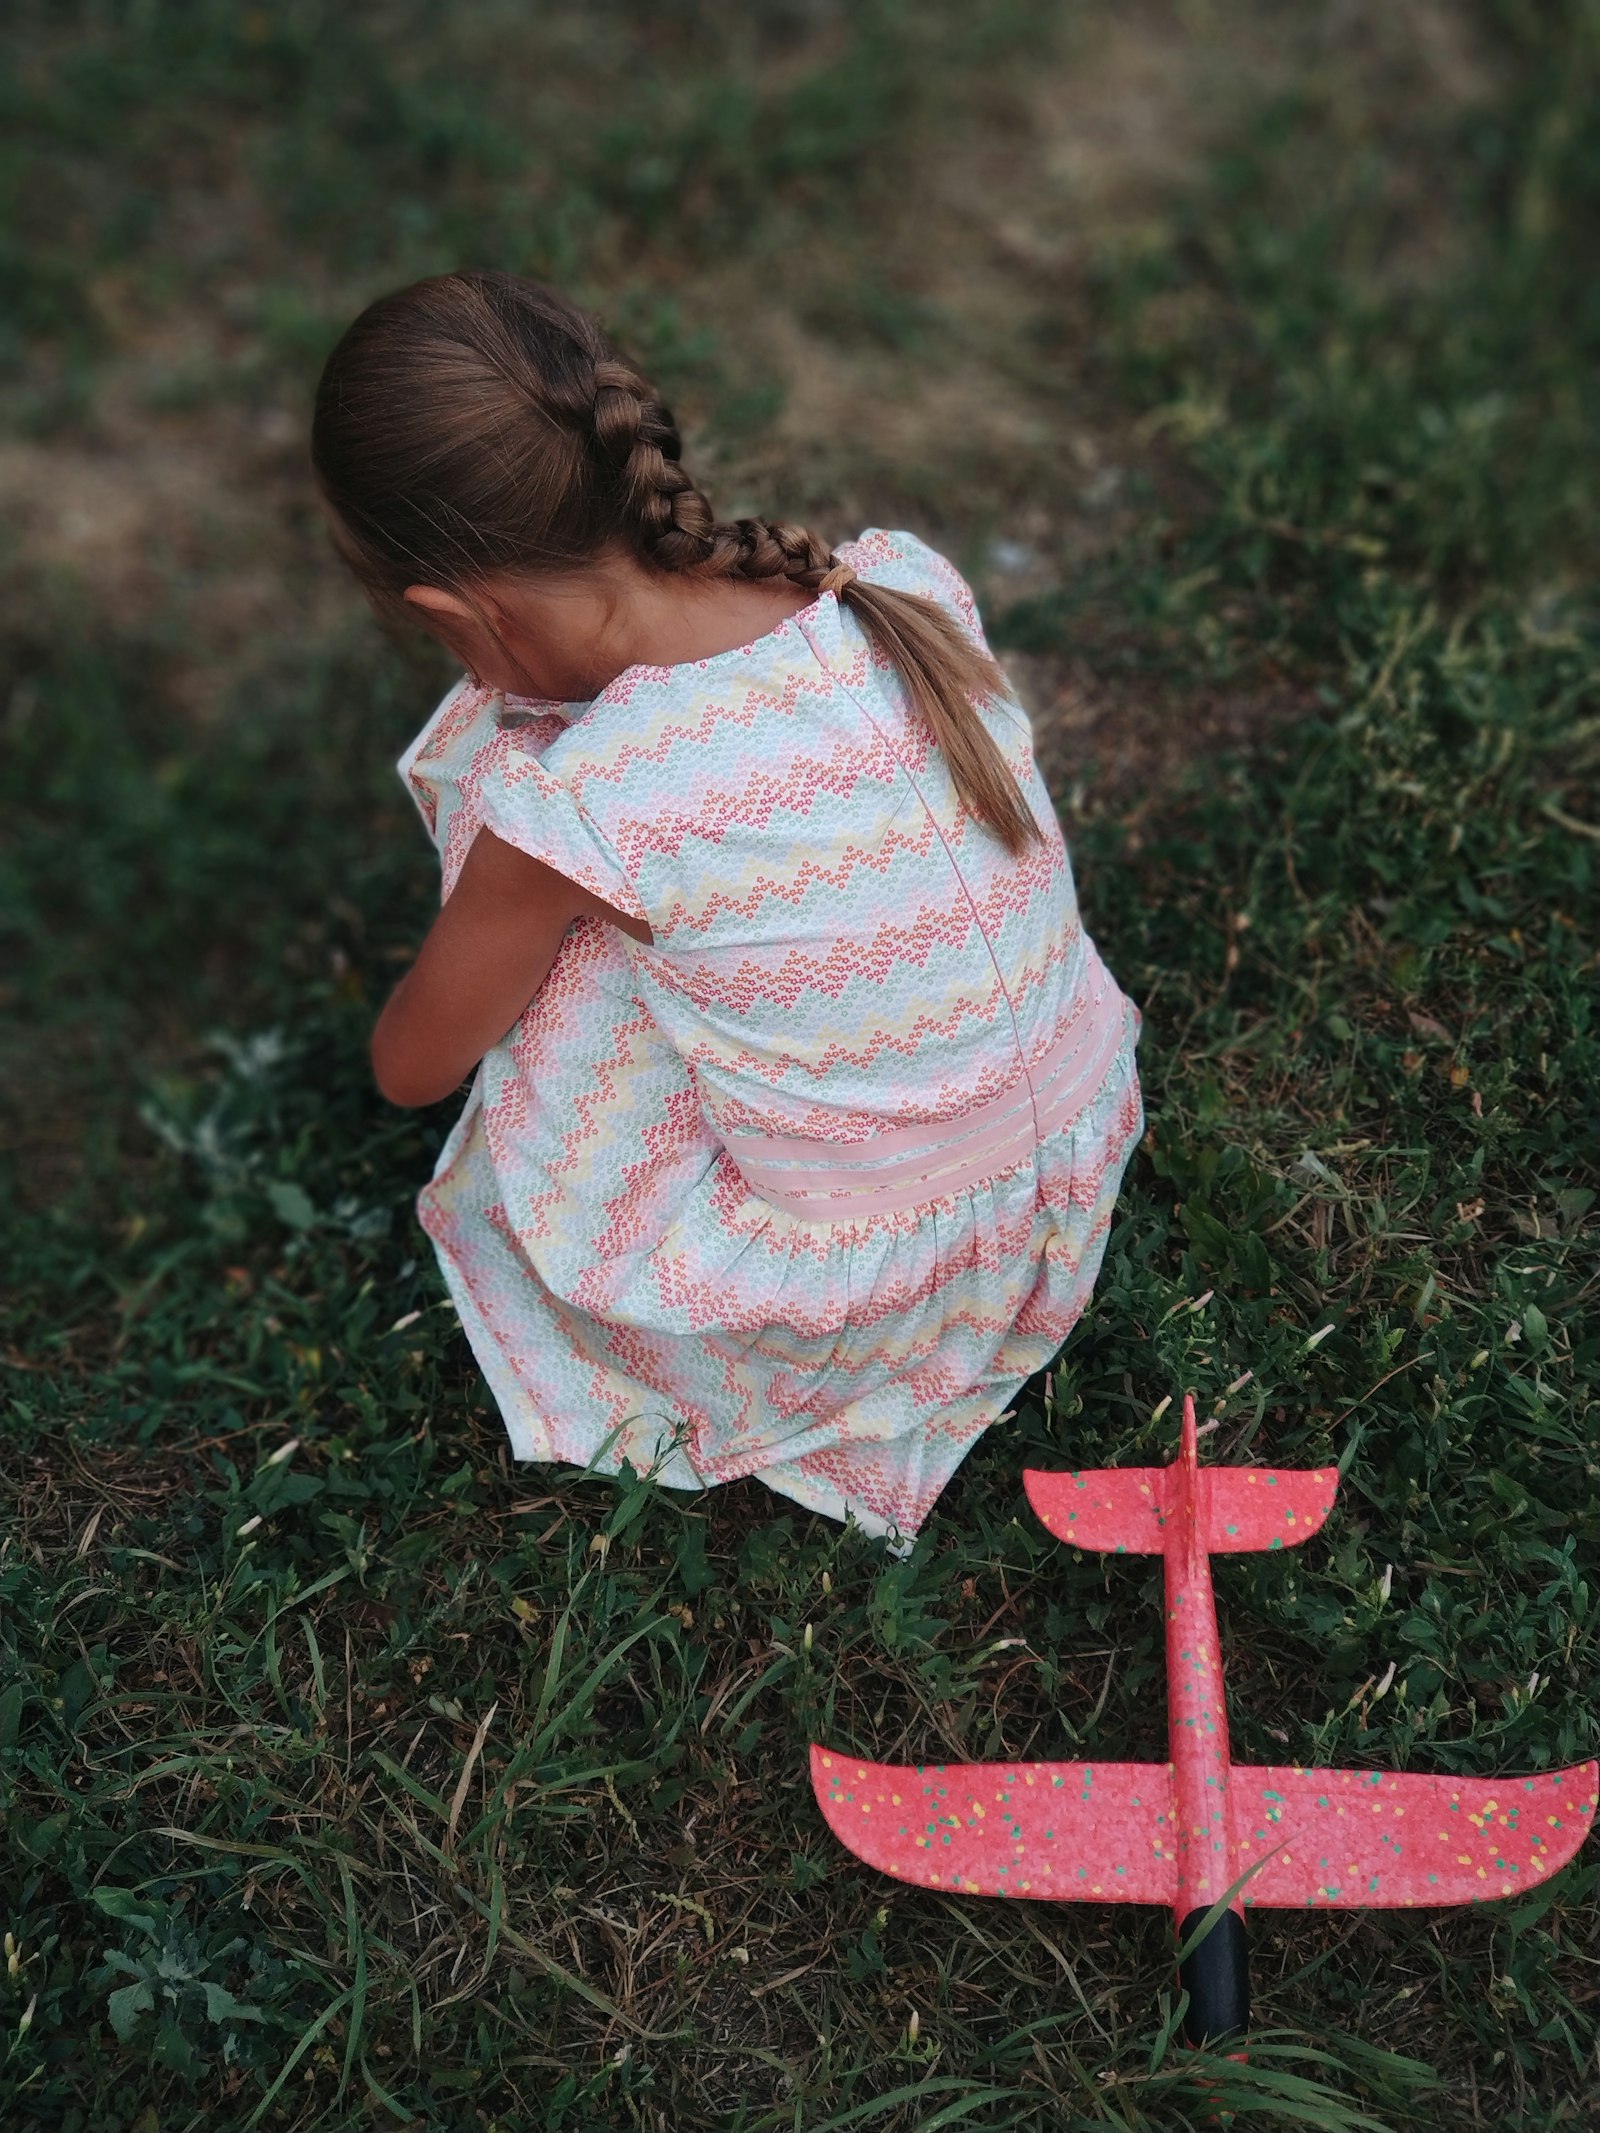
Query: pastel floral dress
[(810, 1186)]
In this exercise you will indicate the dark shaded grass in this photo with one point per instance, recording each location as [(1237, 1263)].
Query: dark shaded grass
[(378, 1780)]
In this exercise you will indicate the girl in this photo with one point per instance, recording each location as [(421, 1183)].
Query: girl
[(802, 1098)]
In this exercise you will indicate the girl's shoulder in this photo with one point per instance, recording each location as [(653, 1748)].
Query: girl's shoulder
[(905, 562), (634, 734)]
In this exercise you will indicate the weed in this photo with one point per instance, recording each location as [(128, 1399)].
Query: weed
[(355, 1775)]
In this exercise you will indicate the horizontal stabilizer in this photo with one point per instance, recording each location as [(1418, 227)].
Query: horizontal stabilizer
[(1248, 1507), (1130, 1510), (1375, 1839), (1122, 1510)]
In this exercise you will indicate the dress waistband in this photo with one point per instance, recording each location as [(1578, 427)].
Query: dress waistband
[(905, 1165)]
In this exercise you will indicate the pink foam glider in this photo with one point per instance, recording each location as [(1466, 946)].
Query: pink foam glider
[(1182, 1832)]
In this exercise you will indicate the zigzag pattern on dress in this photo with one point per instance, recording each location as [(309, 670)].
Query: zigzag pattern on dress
[(839, 951)]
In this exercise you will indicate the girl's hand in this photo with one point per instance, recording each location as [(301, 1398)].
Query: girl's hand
[(486, 955)]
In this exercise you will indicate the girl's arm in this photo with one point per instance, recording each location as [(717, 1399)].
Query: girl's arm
[(486, 955)]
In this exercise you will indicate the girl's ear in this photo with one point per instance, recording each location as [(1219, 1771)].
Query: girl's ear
[(435, 601), (448, 619)]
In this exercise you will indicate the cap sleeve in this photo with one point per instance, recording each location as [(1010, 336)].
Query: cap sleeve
[(530, 807), (440, 758)]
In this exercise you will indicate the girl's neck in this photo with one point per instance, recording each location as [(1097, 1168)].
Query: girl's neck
[(567, 638)]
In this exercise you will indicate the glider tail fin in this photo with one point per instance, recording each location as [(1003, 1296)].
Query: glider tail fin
[(1120, 1510), (1250, 1507), (1131, 1510)]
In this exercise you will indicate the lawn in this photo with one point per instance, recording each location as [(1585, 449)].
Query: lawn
[(355, 1776)]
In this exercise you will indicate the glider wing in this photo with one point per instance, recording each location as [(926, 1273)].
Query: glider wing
[(1101, 1831), (1384, 1838)]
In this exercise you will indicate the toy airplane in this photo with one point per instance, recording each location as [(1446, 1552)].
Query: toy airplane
[(1184, 1831)]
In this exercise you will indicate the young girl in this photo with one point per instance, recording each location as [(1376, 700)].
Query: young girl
[(802, 1098)]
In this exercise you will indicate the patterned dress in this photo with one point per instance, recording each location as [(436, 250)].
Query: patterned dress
[(808, 1188)]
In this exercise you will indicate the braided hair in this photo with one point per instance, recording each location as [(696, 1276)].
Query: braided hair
[(479, 422)]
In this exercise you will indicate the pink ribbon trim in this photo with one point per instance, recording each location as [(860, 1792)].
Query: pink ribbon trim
[(904, 1165)]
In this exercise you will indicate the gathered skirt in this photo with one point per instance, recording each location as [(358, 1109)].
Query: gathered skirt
[(628, 1296)]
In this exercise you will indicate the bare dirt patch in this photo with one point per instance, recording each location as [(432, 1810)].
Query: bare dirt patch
[(979, 422)]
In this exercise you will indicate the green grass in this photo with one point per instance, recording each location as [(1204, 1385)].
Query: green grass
[(354, 1776)]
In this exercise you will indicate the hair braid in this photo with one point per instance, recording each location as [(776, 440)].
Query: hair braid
[(478, 422), (635, 434)]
